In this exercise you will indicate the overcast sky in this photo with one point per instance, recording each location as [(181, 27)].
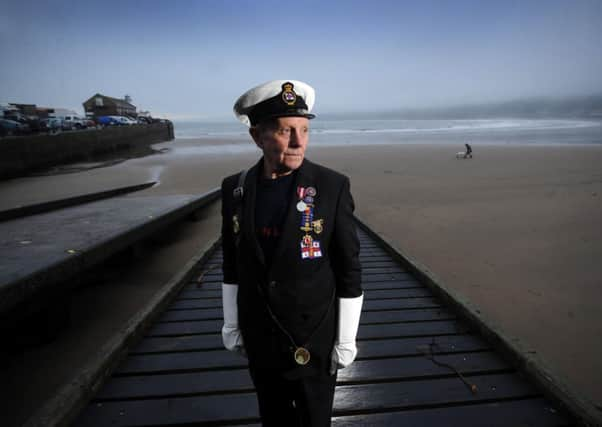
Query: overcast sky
[(194, 58)]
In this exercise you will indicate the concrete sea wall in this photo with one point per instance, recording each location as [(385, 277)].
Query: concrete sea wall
[(22, 154)]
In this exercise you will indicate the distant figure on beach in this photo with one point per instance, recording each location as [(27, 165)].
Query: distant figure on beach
[(468, 152), (292, 293)]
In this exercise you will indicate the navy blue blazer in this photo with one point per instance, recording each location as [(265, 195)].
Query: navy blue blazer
[(301, 292)]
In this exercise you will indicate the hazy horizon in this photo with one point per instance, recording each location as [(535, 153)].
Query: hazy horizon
[(193, 59)]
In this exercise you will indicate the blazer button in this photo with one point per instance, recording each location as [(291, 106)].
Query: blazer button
[(273, 284)]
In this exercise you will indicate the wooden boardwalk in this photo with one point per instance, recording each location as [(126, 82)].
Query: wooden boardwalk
[(416, 366)]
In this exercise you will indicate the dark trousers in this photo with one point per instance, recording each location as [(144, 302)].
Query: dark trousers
[(306, 402)]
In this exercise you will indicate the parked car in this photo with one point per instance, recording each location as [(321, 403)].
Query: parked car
[(74, 122), (11, 127), (124, 120), (108, 121), (15, 116), (51, 124)]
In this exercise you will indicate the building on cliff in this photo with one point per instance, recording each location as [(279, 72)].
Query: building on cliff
[(102, 105)]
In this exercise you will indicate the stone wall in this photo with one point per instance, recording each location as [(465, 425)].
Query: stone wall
[(22, 154)]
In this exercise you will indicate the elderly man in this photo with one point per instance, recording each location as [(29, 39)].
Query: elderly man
[(292, 294)]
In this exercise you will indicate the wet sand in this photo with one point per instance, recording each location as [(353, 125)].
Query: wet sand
[(516, 230)]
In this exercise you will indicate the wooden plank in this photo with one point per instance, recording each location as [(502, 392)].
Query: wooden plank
[(144, 364), (349, 399), (420, 366), (378, 263), (372, 253), (365, 331), (391, 284), (395, 347), (175, 344), (412, 394), (179, 384), (535, 412), (406, 281), (390, 316), (396, 304), (412, 292), (385, 277), (207, 314), (214, 277), (397, 293), (367, 269), (366, 251), (176, 384), (186, 315), (412, 329), (382, 258), (419, 345), (204, 285), (206, 326), (200, 293), (204, 341), (222, 409), (189, 410), (387, 316), (371, 304), (196, 303), (205, 281)]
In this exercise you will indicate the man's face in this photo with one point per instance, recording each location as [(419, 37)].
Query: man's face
[(283, 142)]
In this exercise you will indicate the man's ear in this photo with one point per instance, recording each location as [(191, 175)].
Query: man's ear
[(256, 135)]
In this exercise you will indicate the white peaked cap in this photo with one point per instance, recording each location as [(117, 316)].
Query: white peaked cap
[(244, 106)]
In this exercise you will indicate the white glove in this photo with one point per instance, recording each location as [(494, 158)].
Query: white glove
[(345, 350), (230, 332)]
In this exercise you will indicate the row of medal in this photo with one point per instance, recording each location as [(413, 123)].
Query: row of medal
[(310, 248)]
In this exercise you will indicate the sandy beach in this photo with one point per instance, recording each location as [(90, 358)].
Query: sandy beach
[(515, 231)]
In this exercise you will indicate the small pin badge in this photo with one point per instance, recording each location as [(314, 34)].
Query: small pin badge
[(235, 224), (318, 225), (310, 248), (311, 191), (301, 206), (307, 240)]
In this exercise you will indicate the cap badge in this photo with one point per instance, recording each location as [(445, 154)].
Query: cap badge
[(288, 94)]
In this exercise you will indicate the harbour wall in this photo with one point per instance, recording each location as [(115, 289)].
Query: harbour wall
[(20, 155)]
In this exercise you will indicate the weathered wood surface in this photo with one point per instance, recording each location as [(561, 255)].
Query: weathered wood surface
[(180, 374)]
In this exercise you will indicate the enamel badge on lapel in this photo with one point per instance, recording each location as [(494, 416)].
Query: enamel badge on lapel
[(317, 225), (311, 251), (310, 248), (235, 224)]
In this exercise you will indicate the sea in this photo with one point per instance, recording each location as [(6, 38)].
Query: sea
[(375, 131)]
